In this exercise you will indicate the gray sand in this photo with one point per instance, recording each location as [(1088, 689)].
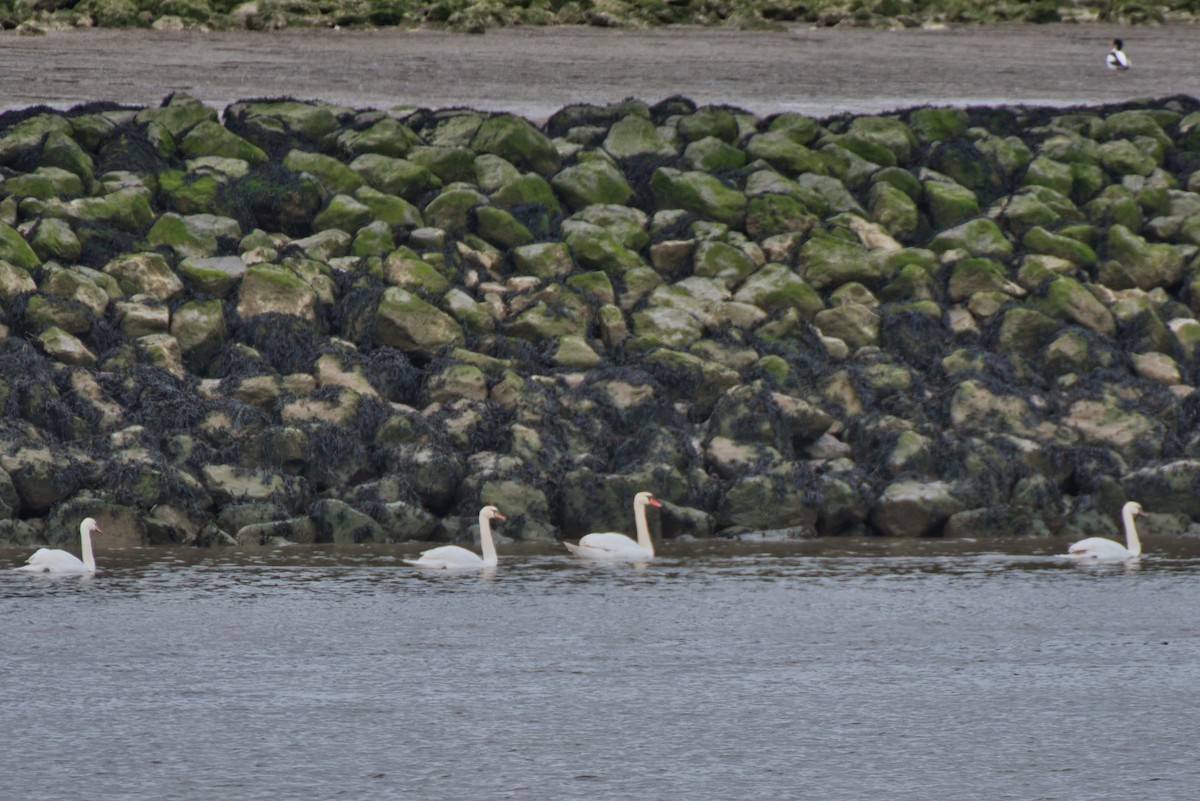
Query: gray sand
[(536, 71)]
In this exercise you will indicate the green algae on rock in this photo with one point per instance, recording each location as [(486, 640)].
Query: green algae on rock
[(300, 321)]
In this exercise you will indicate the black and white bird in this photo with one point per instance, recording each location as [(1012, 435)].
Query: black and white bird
[(1117, 60)]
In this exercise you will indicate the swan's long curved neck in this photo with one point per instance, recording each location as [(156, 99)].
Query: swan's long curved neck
[(89, 559), (490, 557), (1131, 535), (643, 528)]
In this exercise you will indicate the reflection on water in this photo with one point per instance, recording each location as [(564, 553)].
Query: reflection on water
[(817, 669)]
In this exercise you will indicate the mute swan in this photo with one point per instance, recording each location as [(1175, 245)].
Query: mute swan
[(1116, 59), (451, 557), (610, 545), (1099, 549), (47, 560)]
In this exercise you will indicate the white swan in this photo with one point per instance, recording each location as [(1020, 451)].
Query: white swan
[(1098, 549), (610, 545), (54, 560), (452, 557)]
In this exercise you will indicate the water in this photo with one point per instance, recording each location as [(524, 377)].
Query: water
[(827, 670)]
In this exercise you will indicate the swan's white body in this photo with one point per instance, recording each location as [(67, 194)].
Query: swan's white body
[(452, 557), (1116, 59), (1096, 550), (54, 560), (610, 545)]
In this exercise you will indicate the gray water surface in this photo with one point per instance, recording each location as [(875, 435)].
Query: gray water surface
[(826, 670)]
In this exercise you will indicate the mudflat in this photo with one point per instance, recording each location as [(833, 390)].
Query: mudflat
[(536, 71)]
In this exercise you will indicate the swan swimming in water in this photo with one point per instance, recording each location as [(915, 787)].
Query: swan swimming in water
[(610, 545), (452, 557), (55, 560), (1096, 550)]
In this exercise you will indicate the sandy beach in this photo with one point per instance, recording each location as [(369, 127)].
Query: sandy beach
[(536, 71)]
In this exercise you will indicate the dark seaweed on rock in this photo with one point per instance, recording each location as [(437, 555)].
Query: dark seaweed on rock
[(154, 398), (288, 344), (127, 148), (336, 456), (273, 198)]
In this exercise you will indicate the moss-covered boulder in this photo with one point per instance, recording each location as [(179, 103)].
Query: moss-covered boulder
[(775, 286), (387, 137), (784, 153), (145, 274), (937, 124), (336, 177), (43, 182), (894, 209), (978, 237), (403, 320), (275, 289), (263, 122), (1039, 240), (54, 239), (26, 137), (199, 328), (699, 193), (828, 262), (194, 234), (394, 176), (500, 228), (216, 276), (711, 154), (389, 209), (516, 141), (591, 182), (14, 281), (15, 250), (770, 215), (344, 213), (451, 209), (1138, 263), (634, 135), (210, 138), (65, 348), (949, 203), (596, 248)]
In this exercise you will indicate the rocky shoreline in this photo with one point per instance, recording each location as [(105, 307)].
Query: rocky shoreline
[(298, 321)]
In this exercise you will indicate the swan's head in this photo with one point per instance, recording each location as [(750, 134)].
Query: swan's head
[(89, 526), (646, 499), (1132, 508), (1118, 44), (491, 513)]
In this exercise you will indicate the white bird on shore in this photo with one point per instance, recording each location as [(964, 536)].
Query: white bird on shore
[(1117, 60), (55, 560), (452, 557), (1098, 550), (610, 545)]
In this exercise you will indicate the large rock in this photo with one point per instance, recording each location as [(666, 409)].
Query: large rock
[(909, 508), (516, 141), (1137, 263), (978, 237), (195, 234), (590, 182), (828, 262), (635, 135), (146, 274), (700, 193), (210, 138), (275, 289), (402, 320)]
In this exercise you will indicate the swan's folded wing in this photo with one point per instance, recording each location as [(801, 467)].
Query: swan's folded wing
[(40, 555)]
